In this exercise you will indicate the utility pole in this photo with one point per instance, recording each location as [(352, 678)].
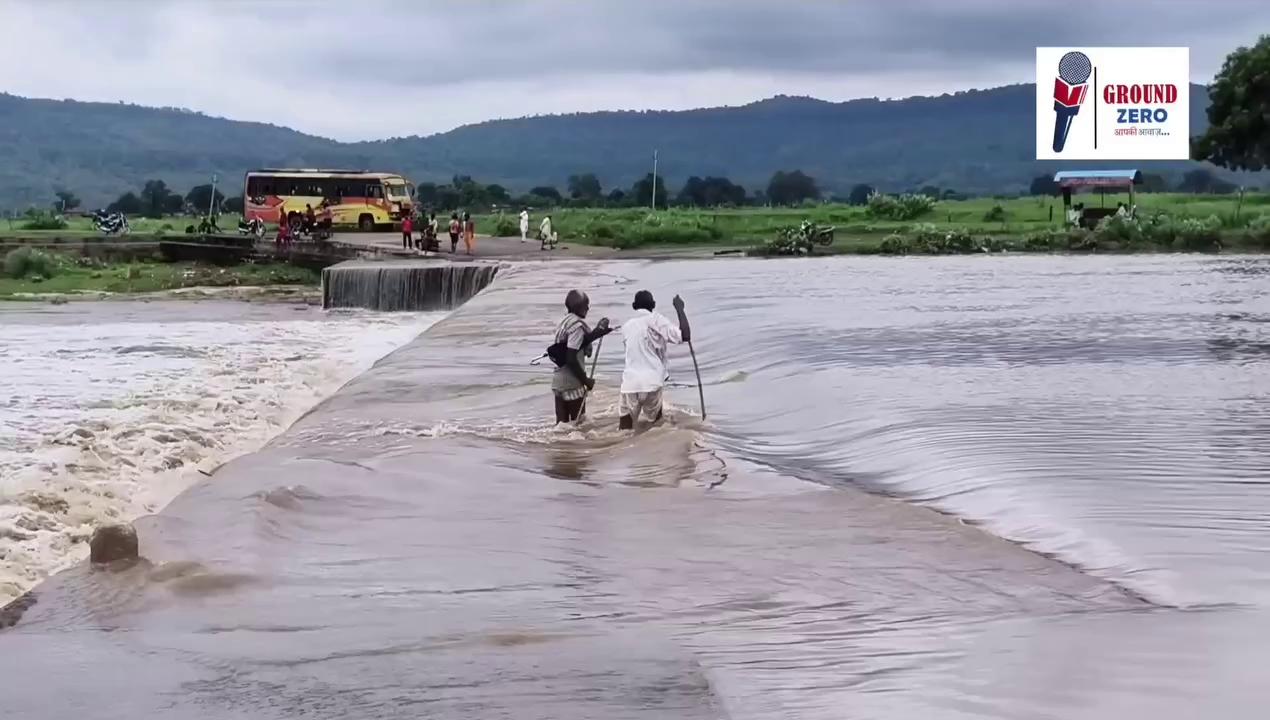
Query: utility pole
[(654, 193), (212, 202)]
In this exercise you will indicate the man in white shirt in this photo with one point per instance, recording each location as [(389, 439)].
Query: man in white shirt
[(524, 224), (646, 337), (546, 234)]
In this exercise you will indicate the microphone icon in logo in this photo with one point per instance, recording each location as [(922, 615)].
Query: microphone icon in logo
[(1069, 93)]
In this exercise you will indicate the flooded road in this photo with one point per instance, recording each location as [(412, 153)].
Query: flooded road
[(951, 488)]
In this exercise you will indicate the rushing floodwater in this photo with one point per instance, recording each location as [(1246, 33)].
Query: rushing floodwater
[(108, 410), (953, 488)]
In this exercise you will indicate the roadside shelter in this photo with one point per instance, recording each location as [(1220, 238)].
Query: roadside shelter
[(1070, 181)]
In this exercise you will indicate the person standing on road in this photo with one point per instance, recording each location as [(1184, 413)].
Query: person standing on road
[(327, 220), (546, 234), (570, 346), (455, 228), (430, 235), (646, 336), (284, 229), (469, 233), (407, 231), (524, 224)]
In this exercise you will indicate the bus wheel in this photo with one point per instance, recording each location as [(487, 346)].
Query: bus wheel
[(366, 223)]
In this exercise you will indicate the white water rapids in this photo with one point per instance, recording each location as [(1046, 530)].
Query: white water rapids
[(108, 410)]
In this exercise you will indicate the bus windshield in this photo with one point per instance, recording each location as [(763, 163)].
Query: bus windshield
[(398, 190)]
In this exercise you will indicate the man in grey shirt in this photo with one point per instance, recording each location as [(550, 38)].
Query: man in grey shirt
[(573, 338)]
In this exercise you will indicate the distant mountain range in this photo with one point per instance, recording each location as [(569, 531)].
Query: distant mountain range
[(980, 141)]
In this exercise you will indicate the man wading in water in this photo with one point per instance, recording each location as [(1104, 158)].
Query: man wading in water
[(571, 344), (646, 336)]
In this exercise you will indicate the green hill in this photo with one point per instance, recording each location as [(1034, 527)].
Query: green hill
[(979, 141)]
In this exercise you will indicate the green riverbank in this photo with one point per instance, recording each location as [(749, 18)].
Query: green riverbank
[(1166, 222), (33, 274)]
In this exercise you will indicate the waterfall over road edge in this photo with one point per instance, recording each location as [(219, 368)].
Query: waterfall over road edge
[(409, 285)]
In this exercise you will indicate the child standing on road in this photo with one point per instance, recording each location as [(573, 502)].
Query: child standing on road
[(454, 232), (407, 231)]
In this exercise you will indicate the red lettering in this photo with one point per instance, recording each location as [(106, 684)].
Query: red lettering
[(1157, 94)]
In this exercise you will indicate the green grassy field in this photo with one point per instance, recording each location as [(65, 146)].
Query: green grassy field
[(137, 225), (1242, 223), (63, 274), (856, 230)]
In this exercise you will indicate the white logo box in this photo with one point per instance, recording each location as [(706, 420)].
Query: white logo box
[(1147, 118)]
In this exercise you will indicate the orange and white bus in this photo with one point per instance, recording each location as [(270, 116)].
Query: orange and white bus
[(369, 200)]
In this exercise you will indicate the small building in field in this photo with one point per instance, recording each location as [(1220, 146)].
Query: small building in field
[(1073, 181)]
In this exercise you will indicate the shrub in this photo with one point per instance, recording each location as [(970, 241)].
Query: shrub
[(899, 207), (505, 227), (928, 239), (896, 244), (1258, 230), (1059, 240), (601, 231), (996, 214), (1045, 240), (1192, 234), (1119, 232), (1199, 235), (29, 262), (44, 221), (998, 244)]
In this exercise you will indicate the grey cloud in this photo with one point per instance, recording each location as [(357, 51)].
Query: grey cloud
[(358, 71), (472, 42)]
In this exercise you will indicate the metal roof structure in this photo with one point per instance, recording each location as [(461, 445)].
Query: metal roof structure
[(1098, 178)]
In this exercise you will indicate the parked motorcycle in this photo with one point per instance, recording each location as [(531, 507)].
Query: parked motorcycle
[(801, 240), (816, 234), (254, 226), (110, 223)]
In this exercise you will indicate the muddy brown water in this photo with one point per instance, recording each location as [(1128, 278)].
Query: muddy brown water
[(952, 488)]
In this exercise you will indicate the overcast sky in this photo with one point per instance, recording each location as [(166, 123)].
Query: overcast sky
[(370, 70)]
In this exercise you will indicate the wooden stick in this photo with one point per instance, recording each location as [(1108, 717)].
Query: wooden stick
[(596, 357), (701, 393), (594, 360)]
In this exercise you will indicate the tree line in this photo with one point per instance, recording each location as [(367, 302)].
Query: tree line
[(586, 190), (1199, 181), (155, 199), (786, 188)]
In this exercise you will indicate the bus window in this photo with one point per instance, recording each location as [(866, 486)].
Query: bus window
[(259, 186), (375, 191), (325, 187)]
